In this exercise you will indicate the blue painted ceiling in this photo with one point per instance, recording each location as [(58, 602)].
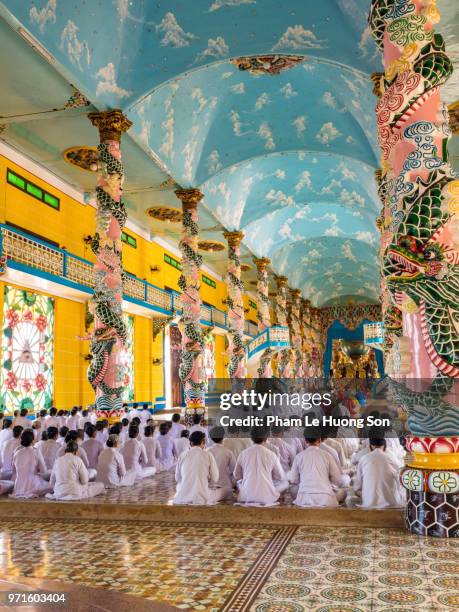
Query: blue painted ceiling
[(287, 158)]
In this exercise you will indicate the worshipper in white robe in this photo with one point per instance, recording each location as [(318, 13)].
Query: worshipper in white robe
[(135, 455), (225, 460), (92, 447), (181, 444), (7, 431), (177, 427), (285, 451), (258, 472), (196, 475), (135, 412), (72, 436), (152, 447), (7, 452), (70, 478), (28, 469), (49, 448), (111, 469), (377, 478), (63, 431), (315, 472), (199, 426), (73, 421), (22, 420), (41, 419), (235, 442), (101, 433), (124, 433), (168, 456), (84, 418), (52, 420)]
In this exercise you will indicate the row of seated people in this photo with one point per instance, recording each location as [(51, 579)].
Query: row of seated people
[(208, 467)]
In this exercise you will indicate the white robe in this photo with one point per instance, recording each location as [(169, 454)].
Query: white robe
[(5, 434), (92, 448), (111, 470), (315, 471), (257, 471), (377, 480), (176, 430), (24, 422), (153, 450), (72, 422), (28, 469), (168, 457), (237, 445), (135, 457), (81, 453), (70, 480), (52, 421), (7, 453), (286, 453), (49, 450), (203, 430), (226, 462), (195, 471), (181, 445)]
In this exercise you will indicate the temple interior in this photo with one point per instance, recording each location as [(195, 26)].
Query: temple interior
[(206, 197)]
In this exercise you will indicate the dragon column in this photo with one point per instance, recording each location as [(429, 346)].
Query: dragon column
[(263, 315), (420, 254), (105, 373), (191, 370), (295, 334), (283, 368), (235, 303)]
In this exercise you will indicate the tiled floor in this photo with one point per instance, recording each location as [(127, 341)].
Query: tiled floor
[(237, 568)]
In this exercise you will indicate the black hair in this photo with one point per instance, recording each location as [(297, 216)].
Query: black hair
[(259, 434), (175, 417), (24, 412), (44, 435), (90, 430), (125, 422), (163, 429), (377, 442), (115, 429), (148, 431), (17, 431), (217, 434), (71, 447), (51, 432), (197, 418), (197, 438), (136, 421), (43, 413), (111, 441), (185, 433), (71, 435), (99, 425), (74, 411), (7, 423), (63, 431), (27, 437), (133, 431), (53, 411)]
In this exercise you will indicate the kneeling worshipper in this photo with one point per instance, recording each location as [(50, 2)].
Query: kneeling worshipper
[(166, 442), (72, 436), (285, 451), (235, 442), (258, 472), (181, 444), (377, 479), (7, 452), (225, 460), (49, 448), (196, 475), (152, 447), (92, 447), (315, 471), (111, 469), (70, 478), (135, 455), (29, 469)]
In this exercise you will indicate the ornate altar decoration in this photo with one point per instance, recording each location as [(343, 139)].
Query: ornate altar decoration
[(373, 335), (127, 359), (27, 350), (349, 316), (419, 228), (267, 64)]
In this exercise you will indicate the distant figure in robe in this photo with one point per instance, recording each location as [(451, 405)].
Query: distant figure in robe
[(92, 447), (111, 469), (152, 447), (316, 471), (7, 452), (7, 431), (226, 462), (177, 427), (377, 478), (168, 456), (28, 469), (70, 478), (258, 472), (49, 448), (198, 425), (135, 455), (196, 474), (181, 444)]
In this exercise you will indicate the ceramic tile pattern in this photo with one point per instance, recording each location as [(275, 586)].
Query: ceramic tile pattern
[(236, 568)]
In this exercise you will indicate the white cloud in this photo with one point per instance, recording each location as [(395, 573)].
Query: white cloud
[(305, 181), (75, 49), (262, 100), (107, 82), (264, 132), (218, 4), (349, 140), (301, 155), (287, 91), (346, 172), (327, 133), (280, 174), (314, 254), (280, 198), (236, 122), (330, 187), (329, 100), (351, 198), (45, 15), (174, 35), (297, 37), (367, 237), (213, 162), (227, 75), (300, 125), (238, 88), (346, 251), (285, 231), (332, 231), (216, 47), (189, 154)]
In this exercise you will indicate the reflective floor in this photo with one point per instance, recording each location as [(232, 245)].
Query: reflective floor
[(234, 568)]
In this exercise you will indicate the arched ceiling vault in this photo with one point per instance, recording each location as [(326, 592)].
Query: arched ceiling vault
[(285, 151)]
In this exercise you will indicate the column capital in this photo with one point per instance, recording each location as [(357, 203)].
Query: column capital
[(295, 293), (281, 281), (233, 238), (306, 304), (189, 197), (111, 124), (262, 263)]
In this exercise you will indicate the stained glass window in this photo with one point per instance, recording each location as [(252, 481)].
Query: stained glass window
[(26, 379), (127, 359)]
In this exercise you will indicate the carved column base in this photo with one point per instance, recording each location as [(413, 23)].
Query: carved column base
[(432, 514)]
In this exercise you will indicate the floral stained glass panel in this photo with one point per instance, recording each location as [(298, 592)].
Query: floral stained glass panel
[(27, 373), (127, 359)]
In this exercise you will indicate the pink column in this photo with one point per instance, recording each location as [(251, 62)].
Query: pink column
[(296, 340), (235, 303), (283, 369), (264, 315)]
